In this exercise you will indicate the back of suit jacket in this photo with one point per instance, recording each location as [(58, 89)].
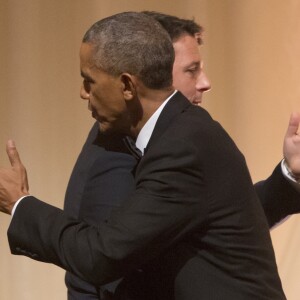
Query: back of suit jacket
[(222, 244), (193, 226)]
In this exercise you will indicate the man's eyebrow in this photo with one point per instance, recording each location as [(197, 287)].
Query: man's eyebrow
[(85, 76), (193, 64)]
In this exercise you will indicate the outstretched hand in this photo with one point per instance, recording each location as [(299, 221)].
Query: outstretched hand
[(13, 181), (291, 145)]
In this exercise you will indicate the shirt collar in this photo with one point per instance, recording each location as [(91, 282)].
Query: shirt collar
[(146, 132)]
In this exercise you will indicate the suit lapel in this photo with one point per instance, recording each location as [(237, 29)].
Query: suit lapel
[(177, 104)]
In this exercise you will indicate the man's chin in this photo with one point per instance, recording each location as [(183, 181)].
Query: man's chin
[(104, 128), (197, 102), (108, 130)]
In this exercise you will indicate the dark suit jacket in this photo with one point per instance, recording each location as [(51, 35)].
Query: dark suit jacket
[(98, 171), (194, 225), (101, 179), (278, 197)]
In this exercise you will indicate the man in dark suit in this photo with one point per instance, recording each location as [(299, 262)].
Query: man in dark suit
[(193, 227), (98, 170), (102, 178)]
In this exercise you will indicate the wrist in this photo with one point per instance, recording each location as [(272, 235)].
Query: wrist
[(295, 177), (17, 203)]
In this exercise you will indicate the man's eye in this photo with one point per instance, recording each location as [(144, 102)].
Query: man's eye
[(193, 72), (87, 80)]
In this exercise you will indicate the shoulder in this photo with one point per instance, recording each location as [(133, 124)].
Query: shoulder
[(195, 125)]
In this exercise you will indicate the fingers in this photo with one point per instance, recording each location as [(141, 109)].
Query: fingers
[(293, 124), (13, 154)]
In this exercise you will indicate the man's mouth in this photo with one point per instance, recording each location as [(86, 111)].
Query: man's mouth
[(196, 99), (197, 102)]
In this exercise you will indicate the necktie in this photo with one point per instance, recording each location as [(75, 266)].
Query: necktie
[(130, 144)]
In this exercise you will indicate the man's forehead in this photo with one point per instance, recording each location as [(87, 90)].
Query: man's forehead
[(85, 51), (187, 51), (86, 56), (187, 45)]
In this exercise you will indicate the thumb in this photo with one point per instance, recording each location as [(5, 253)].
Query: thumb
[(293, 124), (13, 154)]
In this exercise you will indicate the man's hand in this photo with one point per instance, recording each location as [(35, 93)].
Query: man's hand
[(291, 145), (13, 181)]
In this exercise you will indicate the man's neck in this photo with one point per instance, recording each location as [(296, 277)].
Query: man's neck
[(147, 130), (150, 101)]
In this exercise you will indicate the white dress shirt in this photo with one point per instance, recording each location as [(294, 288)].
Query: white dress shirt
[(146, 132)]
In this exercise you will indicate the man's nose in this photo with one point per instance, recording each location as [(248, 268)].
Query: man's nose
[(203, 83), (83, 93)]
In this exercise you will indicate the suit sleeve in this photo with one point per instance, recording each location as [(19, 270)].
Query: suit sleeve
[(278, 197), (164, 207)]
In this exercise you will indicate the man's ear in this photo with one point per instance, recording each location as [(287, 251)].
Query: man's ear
[(129, 86)]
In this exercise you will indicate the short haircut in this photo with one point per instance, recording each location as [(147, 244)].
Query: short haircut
[(177, 27), (135, 43)]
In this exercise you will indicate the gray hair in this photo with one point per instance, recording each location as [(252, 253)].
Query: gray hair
[(135, 43)]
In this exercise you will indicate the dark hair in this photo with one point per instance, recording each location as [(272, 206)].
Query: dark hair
[(177, 27), (135, 43)]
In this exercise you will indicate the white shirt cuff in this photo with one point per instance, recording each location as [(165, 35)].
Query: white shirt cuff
[(287, 174), (16, 204)]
